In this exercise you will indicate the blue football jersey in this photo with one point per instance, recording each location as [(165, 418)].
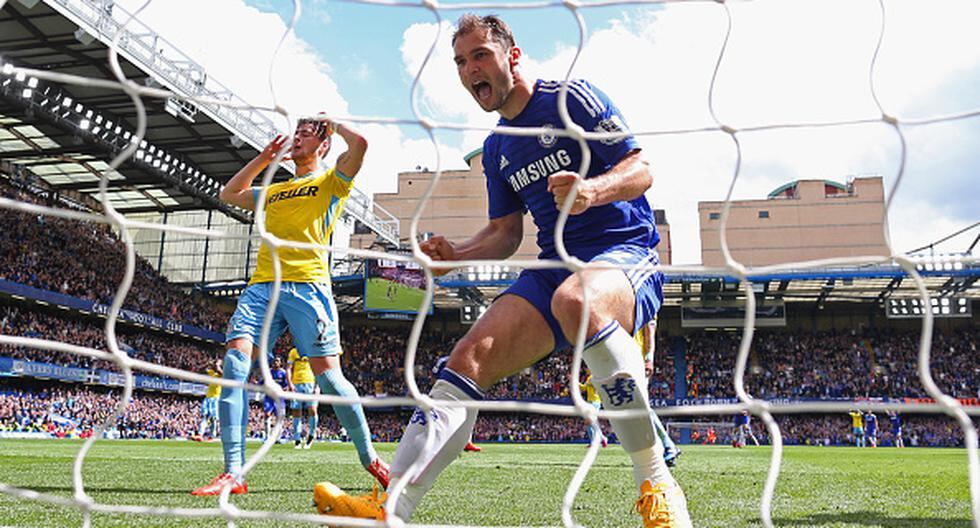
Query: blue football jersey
[(517, 170), (870, 423), (896, 421), (279, 376)]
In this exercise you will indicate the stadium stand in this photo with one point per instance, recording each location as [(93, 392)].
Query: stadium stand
[(61, 256), (87, 260), (69, 411)]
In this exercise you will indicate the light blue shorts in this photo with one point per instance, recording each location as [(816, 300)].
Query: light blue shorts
[(307, 309), (303, 388), (209, 408)]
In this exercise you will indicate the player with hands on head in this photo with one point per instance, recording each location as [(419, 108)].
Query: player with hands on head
[(611, 228), (302, 209)]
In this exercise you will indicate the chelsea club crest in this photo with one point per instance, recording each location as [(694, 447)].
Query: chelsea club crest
[(547, 139)]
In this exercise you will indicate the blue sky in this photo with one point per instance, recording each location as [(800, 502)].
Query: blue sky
[(371, 73), (787, 61)]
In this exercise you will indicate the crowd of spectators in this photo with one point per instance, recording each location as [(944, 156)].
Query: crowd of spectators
[(781, 365), (374, 360), (160, 348), (849, 365), (73, 411), (87, 260), (835, 430)]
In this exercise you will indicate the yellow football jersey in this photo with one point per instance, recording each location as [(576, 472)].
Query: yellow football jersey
[(641, 339), (857, 419), (302, 372), (591, 395), (302, 209), (214, 390)]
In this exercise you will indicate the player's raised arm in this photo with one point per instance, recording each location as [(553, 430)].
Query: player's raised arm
[(238, 190), (625, 181), (349, 163)]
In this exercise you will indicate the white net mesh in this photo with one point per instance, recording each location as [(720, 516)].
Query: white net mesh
[(762, 409)]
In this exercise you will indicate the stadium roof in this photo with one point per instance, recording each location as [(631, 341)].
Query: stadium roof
[(870, 283), (64, 134)]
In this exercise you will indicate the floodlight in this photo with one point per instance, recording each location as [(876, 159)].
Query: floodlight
[(84, 37)]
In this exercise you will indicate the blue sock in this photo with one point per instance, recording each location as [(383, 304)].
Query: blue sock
[(243, 420), (593, 430), (313, 421), (233, 411), (334, 383), (296, 428)]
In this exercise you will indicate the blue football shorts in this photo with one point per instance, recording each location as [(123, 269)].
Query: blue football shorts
[(303, 388), (269, 405), (537, 286), (307, 309)]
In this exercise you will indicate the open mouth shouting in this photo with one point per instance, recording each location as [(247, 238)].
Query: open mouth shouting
[(483, 93)]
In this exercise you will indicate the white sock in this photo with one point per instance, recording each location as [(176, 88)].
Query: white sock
[(452, 429), (617, 373)]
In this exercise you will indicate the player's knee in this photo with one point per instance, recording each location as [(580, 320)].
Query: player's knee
[(243, 346), (469, 358), (566, 305)]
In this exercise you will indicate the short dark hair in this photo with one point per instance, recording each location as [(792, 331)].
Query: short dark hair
[(319, 128), (499, 30)]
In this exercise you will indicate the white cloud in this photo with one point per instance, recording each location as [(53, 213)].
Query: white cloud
[(443, 97), (235, 44), (786, 61)]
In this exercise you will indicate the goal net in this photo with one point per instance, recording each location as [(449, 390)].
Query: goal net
[(120, 29)]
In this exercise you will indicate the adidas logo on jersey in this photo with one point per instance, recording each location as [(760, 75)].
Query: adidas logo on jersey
[(503, 162)]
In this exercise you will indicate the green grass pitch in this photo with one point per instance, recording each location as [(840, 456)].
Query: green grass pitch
[(403, 298), (513, 485)]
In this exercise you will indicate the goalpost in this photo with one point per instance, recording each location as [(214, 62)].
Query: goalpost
[(761, 409)]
